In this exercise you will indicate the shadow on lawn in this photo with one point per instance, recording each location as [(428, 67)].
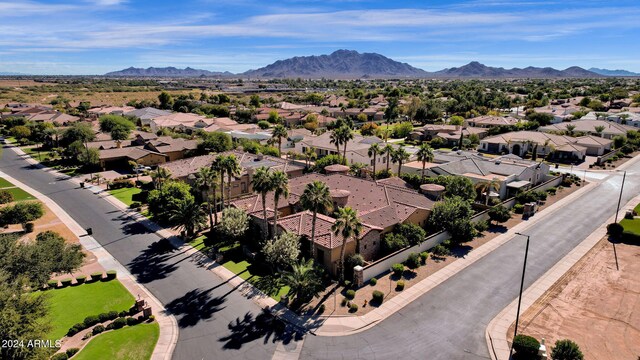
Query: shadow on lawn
[(152, 264), (265, 325)]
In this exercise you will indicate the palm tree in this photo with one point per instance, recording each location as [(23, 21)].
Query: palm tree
[(206, 180), (232, 168), (187, 215), (374, 151), (160, 176), (134, 167), (309, 155), (302, 280), (400, 156), (316, 198), (347, 225), (388, 150), (599, 129), (425, 155), (261, 183), (279, 132), (280, 185), (218, 165), (570, 128), (336, 139), (484, 188), (345, 134)]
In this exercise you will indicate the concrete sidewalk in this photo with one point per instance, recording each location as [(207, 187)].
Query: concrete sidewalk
[(167, 322)]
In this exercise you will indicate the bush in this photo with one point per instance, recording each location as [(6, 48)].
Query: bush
[(628, 215), (413, 261), (135, 205), (615, 230), (90, 321), (132, 321), (353, 307), (80, 279), (350, 294), (96, 276), (518, 208), (65, 282), (424, 256), (60, 356), (110, 326), (552, 190), (321, 308), (526, 346), (481, 226), (119, 322), (111, 274), (76, 329), (97, 329), (377, 297), (87, 335), (123, 313), (112, 315), (152, 317), (5, 197), (566, 350), (347, 283), (28, 227), (397, 269), (400, 285), (52, 284), (344, 302), (103, 317), (373, 281), (441, 250), (72, 351)]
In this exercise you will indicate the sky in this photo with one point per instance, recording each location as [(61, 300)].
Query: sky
[(97, 36)]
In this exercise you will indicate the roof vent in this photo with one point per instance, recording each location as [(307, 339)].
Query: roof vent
[(498, 162)]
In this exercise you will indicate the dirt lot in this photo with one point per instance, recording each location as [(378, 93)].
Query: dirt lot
[(594, 304)]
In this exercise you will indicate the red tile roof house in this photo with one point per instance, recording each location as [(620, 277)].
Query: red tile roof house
[(380, 207)]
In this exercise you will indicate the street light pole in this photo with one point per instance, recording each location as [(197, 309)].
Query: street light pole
[(524, 267), (620, 197)]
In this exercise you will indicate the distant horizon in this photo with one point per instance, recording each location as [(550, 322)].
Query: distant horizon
[(50, 38)]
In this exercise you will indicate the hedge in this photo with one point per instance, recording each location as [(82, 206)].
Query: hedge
[(96, 276), (119, 322), (526, 346), (72, 351), (65, 282), (97, 329), (90, 321), (111, 274), (80, 279), (52, 284), (60, 356)]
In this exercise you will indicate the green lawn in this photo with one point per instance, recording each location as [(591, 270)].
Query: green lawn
[(637, 209), (129, 343), (235, 262), (71, 305), (631, 225), (5, 184), (18, 194), (125, 194), (33, 151)]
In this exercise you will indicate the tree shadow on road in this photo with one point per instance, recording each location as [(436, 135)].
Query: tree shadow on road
[(195, 306), (152, 263), (264, 325)]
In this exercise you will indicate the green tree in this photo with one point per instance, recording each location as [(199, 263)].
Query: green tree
[(166, 100), (280, 185), (21, 213), (374, 151), (566, 350), (456, 120), (187, 214), (234, 223), (304, 281), (109, 122), (20, 132), (484, 189), (499, 214), (400, 155), (453, 214), (90, 157), (78, 132), (282, 251), (346, 226), (414, 234), (393, 242), (402, 130), (207, 182), (388, 150), (216, 142), (255, 101), (317, 199), (160, 176), (424, 155), (279, 132), (232, 168), (163, 201), (262, 184)]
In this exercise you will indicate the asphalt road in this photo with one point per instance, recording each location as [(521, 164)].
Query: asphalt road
[(215, 321), (449, 322)]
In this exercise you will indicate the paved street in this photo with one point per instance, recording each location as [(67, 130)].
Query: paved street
[(449, 322), (206, 309)]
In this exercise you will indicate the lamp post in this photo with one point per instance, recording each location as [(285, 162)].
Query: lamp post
[(620, 197), (524, 267)]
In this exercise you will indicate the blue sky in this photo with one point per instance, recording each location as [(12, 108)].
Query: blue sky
[(97, 36)]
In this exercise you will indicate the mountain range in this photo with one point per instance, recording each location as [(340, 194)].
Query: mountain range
[(349, 64)]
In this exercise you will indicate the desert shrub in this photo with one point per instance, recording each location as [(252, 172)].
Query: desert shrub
[(87, 335), (344, 302), (28, 227), (377, 297), (552, 190), (132, 321), (119, 322), (5, 197), (353, 307), (52, 284), (350, 294), (65, 282), (72, 351), (400, 285), (424, 256), (96, 276), (615, 230), (413, 261), (60, 356), (566, 350), (518, 208), (397, 269), (111, 274), (441, 250), (97, 329), (373, 281), (481, 226), (526, 346), (90, 321), (80, 279)]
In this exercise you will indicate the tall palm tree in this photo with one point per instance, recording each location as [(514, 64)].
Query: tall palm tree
[(316, 198), (232, 168), (218, 166), (302, 280), (309, 155), (279, 132), (345, 134), (336, 139), (388, 150), (261, 183), (425, 155), (347, 225), (599, 129), (570, 128), (374, 151), (280, 185), (187, 215), (207, 180), (400, 156), (160, 176), (484, 188)]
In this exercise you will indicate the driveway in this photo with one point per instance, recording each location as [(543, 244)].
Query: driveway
[(449, 322), (215, 321)]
